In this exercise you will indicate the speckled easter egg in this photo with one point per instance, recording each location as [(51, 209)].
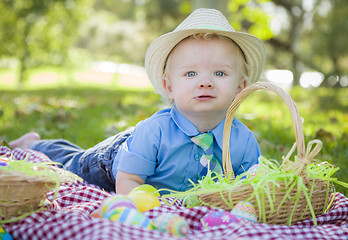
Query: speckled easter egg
[(115, 201), (256, 170), (131, 216), (245, 211), (172, 224), (217, 218), (253, 171), (4, 235), (3, 161)]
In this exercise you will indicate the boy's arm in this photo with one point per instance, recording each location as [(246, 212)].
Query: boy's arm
[(125, 182)]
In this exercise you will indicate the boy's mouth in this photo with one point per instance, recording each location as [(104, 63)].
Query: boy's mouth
[(204, 97)]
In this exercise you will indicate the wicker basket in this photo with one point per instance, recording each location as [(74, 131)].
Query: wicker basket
[(21, 193), (242, 192)]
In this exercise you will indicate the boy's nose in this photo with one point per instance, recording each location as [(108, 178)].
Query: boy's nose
[(206, 83)]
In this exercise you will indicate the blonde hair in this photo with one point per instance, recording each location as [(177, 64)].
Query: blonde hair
[(240, 57)]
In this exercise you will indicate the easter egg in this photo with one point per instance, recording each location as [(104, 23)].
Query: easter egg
[(192, 201), (3, 161), (115, 201), (172, 224), (257, 170), (144, 200), (131, 216), (253, 170), (217, 218), (95, 214), (245, 211), (4, 235), (147, 188)]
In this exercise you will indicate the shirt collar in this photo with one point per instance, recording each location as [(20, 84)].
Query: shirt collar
[(190, 129), (185, 125)]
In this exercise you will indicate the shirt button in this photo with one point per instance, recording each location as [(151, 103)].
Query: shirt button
[(197, 157)]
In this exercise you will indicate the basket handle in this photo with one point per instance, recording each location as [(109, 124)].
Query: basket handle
[(302, 158)]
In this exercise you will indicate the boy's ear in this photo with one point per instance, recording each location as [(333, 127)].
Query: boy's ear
[(167, 86), (242, 85)]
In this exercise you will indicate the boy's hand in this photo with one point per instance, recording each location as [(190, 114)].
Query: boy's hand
[(125, 182)]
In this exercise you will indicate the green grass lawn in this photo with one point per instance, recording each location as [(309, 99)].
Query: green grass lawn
[(86, 115)]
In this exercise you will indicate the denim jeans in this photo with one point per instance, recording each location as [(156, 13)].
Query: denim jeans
[(94, 165)]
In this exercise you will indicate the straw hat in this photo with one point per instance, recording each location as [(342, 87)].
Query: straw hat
[(202, 21)]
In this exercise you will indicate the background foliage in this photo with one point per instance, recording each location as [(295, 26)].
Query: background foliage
[(39, 32), (300, 35)]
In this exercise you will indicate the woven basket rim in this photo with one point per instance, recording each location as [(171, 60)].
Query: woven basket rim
[(15, 176), (62, 176)]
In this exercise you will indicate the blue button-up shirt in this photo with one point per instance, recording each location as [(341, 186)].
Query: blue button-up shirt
[(161, 152)]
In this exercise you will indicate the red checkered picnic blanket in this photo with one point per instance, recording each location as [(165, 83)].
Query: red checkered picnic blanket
[(68, 218)]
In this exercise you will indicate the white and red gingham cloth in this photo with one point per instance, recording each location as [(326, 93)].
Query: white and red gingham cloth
[(68, 218)]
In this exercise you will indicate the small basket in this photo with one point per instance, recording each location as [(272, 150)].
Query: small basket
[(284, 211), (21, 193)]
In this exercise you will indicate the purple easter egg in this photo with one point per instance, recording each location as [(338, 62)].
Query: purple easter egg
[(217, 218)]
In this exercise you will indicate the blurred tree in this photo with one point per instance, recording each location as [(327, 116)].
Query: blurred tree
[(329, 52), (122, 32), (312, 36), (39, 32), (285, 51), (249, 16), (313, 39)]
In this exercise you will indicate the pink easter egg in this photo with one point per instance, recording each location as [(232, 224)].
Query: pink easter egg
[(217, 218)]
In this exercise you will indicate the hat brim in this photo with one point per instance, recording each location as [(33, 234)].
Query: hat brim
[(157, 53)]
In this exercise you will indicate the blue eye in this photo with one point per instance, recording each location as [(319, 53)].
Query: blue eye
[(191, 74), (219, 74)]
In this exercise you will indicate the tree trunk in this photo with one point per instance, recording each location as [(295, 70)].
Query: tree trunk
[(22, 75)]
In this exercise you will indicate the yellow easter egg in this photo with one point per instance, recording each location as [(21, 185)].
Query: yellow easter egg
[(144, 200), (147, 188)]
